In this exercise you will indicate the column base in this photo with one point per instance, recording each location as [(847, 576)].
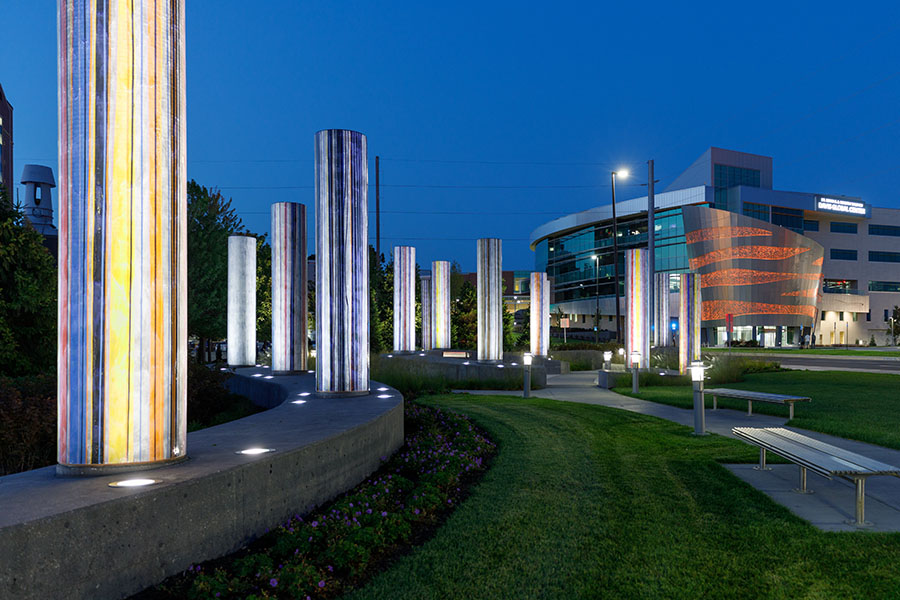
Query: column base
[(343, 394), (114, 469)]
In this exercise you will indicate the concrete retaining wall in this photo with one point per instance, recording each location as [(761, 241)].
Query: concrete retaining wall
[(79, 538)]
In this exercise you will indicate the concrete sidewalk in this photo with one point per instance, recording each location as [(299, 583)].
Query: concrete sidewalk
[(831, 504)]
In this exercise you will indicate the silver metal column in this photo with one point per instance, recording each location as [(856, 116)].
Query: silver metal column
[(342, 263), (404, 299), (427, 313), (289, 288), (540, 314), (440, 295), (241, 301), (490, 299)]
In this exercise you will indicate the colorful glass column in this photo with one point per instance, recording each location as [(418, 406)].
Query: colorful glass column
[(241, 301), (689, 317), (427, 312), (342, 263), (661, 331), (404, 299), (637, 325), (540, 314), (122, 236), (289, 291), (490, 299), (440, 295)]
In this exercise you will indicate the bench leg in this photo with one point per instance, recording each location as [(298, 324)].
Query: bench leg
[(803, 489), (790, 410), (762, 461), (749, 408), (860, 520)]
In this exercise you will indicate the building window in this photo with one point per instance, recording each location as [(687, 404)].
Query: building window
[(846, 254), (809, 225), (869, 316), (725, 176), (841, 316), (757, 211), (885, 315), (891, 257), (823, 315), (891, 230), (854, 316), (790, 218), (842, 227), (884, 286)]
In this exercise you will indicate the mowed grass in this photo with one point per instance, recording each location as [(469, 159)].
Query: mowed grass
[(590, 502), (859, 406)]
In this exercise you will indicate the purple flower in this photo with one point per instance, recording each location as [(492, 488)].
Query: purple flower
[(322, 584), (330, 568), (315, 523), (273, 582), (383, 513)]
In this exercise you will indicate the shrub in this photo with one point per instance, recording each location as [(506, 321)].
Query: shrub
[(27, 423), (872, 340)]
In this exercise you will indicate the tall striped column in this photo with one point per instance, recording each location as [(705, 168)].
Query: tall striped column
[(289, 293), (440, 295), (342, 263), (661, 331), (427, 312), (241, 300), (637, 324), (122, 235), (490, 299), (404, 299), (540, 314), (689, 316)]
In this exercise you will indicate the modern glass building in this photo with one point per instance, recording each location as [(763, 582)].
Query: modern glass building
[(859, 266)]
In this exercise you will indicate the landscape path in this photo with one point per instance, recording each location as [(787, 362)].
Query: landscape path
[(832, 502)]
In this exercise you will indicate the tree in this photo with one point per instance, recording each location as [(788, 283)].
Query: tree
[(381, 303), (464, 318), (263, 290), (210, 221), (27, 296)]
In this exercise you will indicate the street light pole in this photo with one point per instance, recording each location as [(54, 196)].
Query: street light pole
[(596, 258), (616, 259)]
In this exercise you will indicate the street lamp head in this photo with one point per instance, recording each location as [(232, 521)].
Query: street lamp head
[(622, 173), (594, 256), (526, 358), (621, 351), (635, 357), (697, 369), (607, 355)]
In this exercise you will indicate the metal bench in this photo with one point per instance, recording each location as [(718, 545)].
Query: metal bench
[(752, 397), (821, 458)]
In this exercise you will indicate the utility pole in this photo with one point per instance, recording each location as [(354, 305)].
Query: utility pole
[(651, 259), (615, 234), (377, 211)]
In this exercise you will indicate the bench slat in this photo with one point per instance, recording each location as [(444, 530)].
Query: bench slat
[(760, 396), (813, 454)]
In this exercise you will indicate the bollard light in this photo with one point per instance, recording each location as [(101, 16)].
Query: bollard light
[(526, 374), (607, 355), (635, 358), (697, 369), (621, 351), (527, 358)]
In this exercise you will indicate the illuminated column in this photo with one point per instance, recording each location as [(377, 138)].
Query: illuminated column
[(661, 331), (689, 315), (289, 292), (241, 300), (427, 313), (637, 325), (490, 299), (122, 236), (440, 295), (540, 314), (404, 299), (342, 263)]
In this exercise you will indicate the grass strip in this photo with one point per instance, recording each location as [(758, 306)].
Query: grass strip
[(589, 502)]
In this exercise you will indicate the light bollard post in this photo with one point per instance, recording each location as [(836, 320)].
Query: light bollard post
[(697, 370), (526, 384), (635, 371), (607, 360)]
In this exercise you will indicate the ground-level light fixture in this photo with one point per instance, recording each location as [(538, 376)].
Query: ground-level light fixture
[(382, 396), (382, 389), (255, 451), (132, 483), (257, 375), (299, 402)]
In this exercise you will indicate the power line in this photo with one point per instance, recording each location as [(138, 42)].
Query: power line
[(438, 186)]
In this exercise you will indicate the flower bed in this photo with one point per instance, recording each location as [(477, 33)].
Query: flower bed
[(334, 549)]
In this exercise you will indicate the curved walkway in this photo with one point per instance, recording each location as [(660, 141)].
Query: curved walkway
[(828, 508)]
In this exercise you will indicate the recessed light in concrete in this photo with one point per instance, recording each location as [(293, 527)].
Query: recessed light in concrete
[(382, 389), (304, 393), (255, 451), (384, 395), (299, 402), (130, 483)]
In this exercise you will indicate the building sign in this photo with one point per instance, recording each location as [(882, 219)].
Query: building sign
[(839, 205), (564, 323)]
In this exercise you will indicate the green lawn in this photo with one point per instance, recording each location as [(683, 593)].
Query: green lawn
[(860, 406), (588, 502), (824, 351)]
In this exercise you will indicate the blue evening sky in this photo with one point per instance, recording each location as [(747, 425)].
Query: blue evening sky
[(494, 117)]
